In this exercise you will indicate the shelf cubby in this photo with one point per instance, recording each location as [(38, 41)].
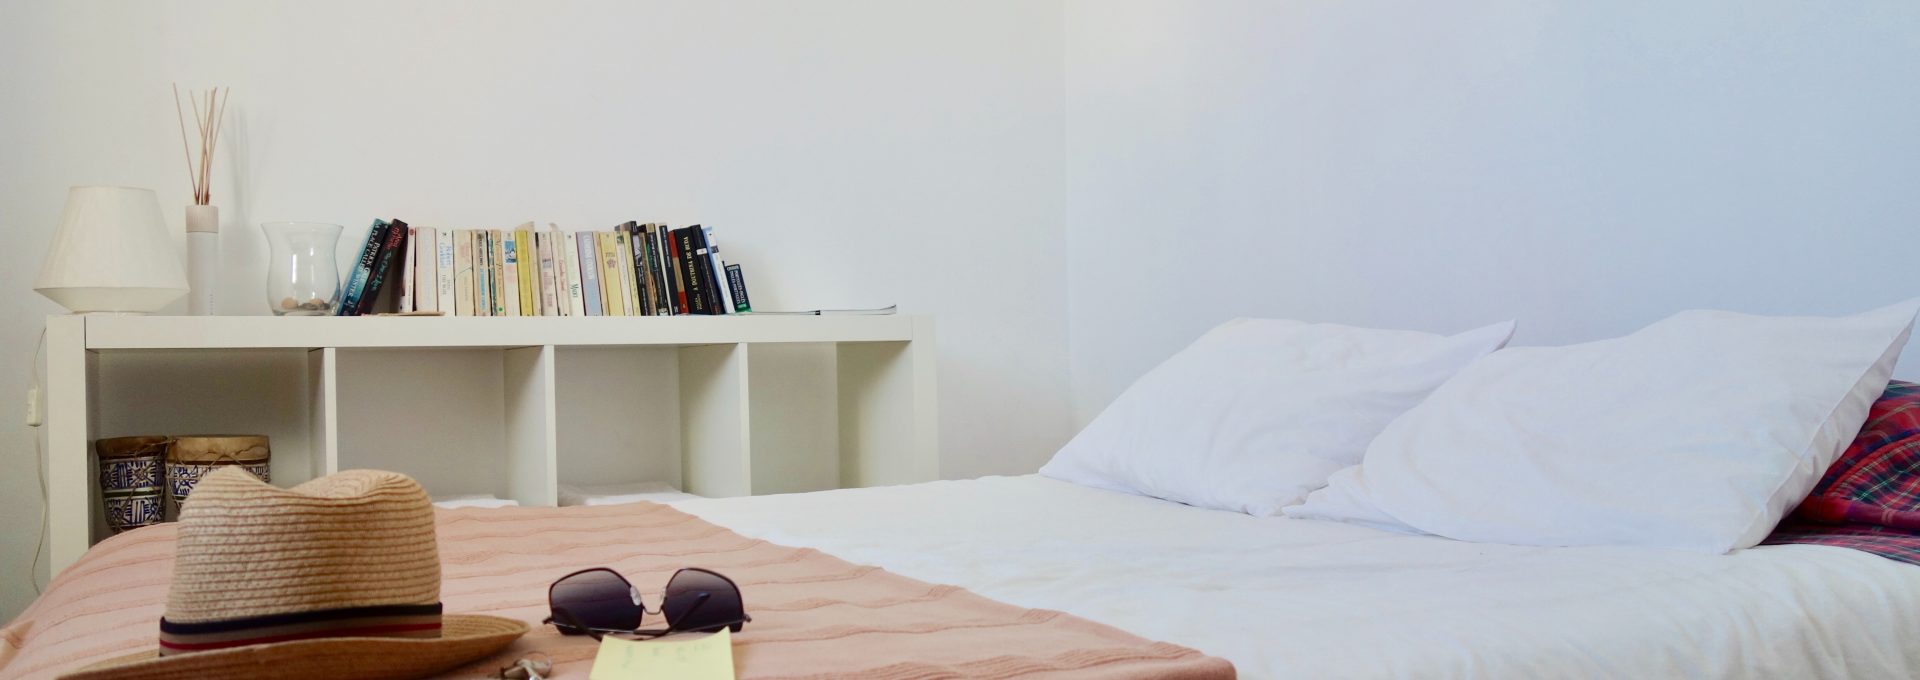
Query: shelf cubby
[(619, 414)]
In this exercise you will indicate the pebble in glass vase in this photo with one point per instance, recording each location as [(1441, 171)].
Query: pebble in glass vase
[(302, 279)]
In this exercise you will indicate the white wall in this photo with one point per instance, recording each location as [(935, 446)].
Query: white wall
[(1585, 167), (848, 152)]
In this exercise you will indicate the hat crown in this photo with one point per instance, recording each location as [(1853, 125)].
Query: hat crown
[(360, 538)]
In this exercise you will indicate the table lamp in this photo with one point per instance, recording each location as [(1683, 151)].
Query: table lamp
[(112, 254)]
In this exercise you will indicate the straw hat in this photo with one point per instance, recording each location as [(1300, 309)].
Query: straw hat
[(335, 578)]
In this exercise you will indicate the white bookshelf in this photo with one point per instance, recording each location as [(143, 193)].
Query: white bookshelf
[(514, 407)]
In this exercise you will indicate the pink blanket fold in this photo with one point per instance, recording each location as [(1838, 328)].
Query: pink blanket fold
[(814, 615)]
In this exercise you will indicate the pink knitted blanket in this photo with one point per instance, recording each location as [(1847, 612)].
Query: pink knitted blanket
[(814, 615)]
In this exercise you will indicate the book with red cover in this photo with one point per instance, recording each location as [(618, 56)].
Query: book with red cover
[(676, 274)]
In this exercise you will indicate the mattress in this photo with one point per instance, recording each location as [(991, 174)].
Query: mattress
[(1288, 598)]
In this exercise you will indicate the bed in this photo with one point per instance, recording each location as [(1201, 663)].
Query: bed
[(1287, 598), (1278, 597)]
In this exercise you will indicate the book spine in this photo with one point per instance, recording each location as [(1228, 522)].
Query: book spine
[(685, 247), (483, 271), (463, 272), (362, 269), (630, 239), (642, 248), (709, 277), (443, 271), (609, 264), (478, 238), (737, 285), (549, 286), (590, 274), (669, 287), (540, 286), (670, 266), (529, 271), (511, 249), (425, 296), (650, 264), (483, 243), (567, 270), (697, 241), (500, 271), (623, 261), (636, 241), (569, 256), (678, 265), (717, 267), (396, 242), (407, 256), (624, 275), (554, 242)]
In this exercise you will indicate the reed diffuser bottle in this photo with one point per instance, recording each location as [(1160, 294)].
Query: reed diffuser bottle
[(203, 218)]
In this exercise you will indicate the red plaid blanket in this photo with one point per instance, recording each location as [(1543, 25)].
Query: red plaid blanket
[(1870, 499)]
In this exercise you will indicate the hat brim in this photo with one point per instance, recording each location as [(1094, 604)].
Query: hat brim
[(463, 639)]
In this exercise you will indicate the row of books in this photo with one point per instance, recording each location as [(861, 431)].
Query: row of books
[(632, 270)]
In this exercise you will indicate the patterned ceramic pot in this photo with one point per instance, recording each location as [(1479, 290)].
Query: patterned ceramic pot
[(131, 480), (192, 457)]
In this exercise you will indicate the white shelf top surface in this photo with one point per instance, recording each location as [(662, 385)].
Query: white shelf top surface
[(105, 332)]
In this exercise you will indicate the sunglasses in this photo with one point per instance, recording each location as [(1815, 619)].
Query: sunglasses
[(599, 601)]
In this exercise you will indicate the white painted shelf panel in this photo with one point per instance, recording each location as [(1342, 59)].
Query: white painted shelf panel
[(217, 332), (720, 406)]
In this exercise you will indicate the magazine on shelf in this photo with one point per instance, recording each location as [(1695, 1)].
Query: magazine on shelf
[(876, 311)]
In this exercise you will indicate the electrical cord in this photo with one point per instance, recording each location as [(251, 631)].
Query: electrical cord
[(39, 465)]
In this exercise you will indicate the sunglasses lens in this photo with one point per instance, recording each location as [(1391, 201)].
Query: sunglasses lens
[(596, 598), (702, 601)]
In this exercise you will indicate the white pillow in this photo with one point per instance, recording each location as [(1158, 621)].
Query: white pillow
[(1257, 412), (1698, 432)]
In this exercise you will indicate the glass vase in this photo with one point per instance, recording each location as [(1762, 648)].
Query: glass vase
[(302, 279)]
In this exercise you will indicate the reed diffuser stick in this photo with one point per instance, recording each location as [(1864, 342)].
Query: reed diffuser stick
[(207, 122)]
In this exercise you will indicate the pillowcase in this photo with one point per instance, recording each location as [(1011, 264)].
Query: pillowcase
[(1257, 412), (1877, 480), (1698, 432)]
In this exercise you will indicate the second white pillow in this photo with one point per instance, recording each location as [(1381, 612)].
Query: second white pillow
[(1258, 412), (1698, 432)]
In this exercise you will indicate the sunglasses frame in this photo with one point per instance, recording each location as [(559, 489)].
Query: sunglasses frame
[(567, 625)]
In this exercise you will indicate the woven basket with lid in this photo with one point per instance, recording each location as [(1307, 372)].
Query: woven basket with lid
[(131, 479), (193, 456)]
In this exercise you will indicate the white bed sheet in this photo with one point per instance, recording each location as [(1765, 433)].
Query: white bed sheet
[(1289, 598)]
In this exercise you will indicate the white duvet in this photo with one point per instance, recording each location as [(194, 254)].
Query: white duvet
[(1289, 598)]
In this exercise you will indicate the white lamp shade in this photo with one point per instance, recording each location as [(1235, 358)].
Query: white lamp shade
[(112, 254)]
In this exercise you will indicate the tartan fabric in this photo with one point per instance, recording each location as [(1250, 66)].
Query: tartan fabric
[(1870, 499)]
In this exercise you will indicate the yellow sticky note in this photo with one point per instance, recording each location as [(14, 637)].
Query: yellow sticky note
[(682, 657)]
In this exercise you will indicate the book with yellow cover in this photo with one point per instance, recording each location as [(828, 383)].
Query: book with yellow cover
[(529, 271), (609, 263)]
